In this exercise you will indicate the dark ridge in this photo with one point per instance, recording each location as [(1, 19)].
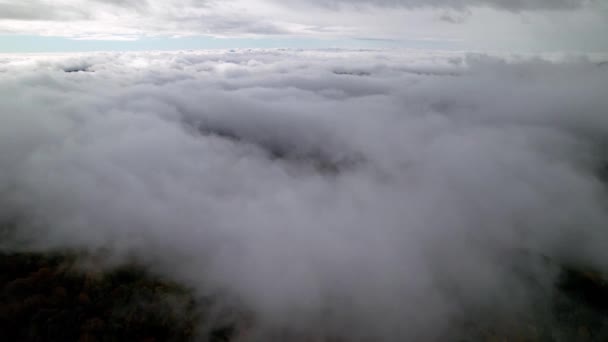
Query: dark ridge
[(352, 73), (44, 298), (81, 68), (587, 287), (602, 172), (421, 72), (580, 305), (317, 158)]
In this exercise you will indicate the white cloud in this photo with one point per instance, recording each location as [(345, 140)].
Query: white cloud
[(379, 191), (93, 17), (490, 24)]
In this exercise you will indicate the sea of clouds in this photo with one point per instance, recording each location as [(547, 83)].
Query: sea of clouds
[(372, 195)]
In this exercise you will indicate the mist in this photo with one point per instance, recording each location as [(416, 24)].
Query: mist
[(365, 195)]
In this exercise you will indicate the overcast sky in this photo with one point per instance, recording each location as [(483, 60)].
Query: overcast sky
[(514, 25)]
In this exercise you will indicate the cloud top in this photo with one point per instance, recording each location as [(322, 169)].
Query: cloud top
[(386, 192)]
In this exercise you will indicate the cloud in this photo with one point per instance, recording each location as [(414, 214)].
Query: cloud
[(38, 10), (90, 18), (511, 5), (363, 194), (454, 18), (403, 20)]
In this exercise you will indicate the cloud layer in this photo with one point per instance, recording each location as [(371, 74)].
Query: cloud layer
[(511, 5), (368, 195), (475, 24)]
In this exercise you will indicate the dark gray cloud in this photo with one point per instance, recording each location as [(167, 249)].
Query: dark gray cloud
[(384, 192), (38, 10)]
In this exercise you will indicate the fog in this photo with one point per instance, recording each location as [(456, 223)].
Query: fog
[(369, 195)]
